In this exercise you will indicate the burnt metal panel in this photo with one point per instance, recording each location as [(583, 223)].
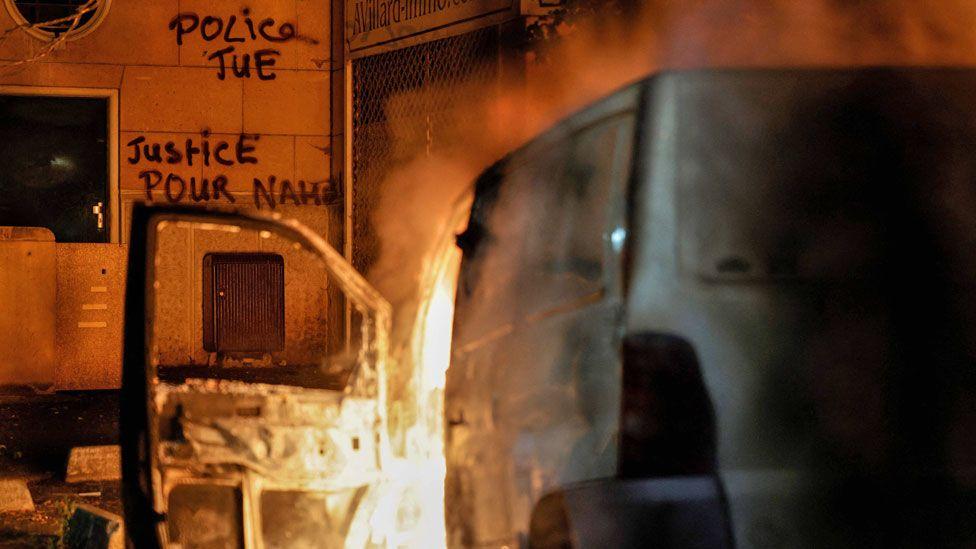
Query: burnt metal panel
[(243, 302), (206, 515), (291, 519)]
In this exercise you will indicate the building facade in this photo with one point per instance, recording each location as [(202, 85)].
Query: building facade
[(280, 106), (223, 103)]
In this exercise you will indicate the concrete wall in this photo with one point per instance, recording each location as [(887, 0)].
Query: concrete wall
[(91, 293), (179, 328), (27, 306), (270, 123)]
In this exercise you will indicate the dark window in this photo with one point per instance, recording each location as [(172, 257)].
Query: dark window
[(59, 13), (541, 234), (54, 156)]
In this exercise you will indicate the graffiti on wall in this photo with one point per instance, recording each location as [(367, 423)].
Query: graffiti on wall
[(258, 39), (157, 159)]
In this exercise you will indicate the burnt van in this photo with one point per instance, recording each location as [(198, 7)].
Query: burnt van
[(266, 441), (724, 308)]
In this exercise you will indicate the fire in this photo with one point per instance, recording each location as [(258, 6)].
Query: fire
[(411, 513), (431, 354)]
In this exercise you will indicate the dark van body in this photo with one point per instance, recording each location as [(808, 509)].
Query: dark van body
[(742, 303)]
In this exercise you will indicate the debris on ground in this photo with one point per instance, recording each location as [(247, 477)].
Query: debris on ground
[(94, 463), (92, 528), (15, 496), (39, 431)]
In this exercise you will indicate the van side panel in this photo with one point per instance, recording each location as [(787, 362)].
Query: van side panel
[(808, 233)]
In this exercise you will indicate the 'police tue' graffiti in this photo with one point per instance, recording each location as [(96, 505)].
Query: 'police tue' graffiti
[(233, 31)]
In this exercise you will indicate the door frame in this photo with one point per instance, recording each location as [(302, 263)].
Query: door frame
[(111, 96)]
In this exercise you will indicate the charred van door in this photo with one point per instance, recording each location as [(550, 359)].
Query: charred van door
[(277, 441), (56, 165)]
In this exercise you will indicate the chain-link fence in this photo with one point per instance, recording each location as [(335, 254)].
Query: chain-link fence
[(400, 112)]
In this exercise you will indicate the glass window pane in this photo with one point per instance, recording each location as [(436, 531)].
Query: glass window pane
[(42, 11), (546, 233), (55, 159)]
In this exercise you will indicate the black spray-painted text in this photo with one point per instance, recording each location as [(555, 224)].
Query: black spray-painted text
[(271, 191), (233, 32)]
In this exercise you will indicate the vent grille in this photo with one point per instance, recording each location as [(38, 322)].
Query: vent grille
[(243, 302)]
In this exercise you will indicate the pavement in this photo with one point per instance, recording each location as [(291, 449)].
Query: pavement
[(37, 432)]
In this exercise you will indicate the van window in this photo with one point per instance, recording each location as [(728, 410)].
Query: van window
[(543, 235)]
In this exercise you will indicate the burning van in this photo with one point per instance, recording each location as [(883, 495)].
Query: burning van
[(724, 308)]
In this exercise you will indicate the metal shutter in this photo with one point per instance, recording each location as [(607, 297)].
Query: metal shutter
[(243, 302)]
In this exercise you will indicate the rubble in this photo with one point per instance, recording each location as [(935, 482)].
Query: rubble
[(14, 496), (92, 528), (94, 463)]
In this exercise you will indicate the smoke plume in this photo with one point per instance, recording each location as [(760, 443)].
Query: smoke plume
[(587, 58)]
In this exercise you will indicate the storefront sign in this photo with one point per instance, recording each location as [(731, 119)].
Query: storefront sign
[(372, 25)]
